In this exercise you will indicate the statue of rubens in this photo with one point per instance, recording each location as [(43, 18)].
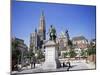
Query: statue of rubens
[(52, 33)]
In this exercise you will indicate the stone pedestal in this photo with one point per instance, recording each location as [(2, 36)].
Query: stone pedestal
[(51, 56)]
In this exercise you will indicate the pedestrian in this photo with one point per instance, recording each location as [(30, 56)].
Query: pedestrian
[(34, 61), (34, 64), (69, 65), (63, 64), (68, 69), (31, 62)]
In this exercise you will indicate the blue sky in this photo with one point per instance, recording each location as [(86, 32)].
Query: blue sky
[(78, 19)]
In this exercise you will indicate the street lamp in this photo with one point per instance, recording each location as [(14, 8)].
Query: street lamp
[(36, 55)]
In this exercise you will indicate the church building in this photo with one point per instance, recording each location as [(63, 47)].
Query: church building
[(38, 37)]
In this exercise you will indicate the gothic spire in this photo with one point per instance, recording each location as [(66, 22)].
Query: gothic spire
[(42, 25), (42, 13), (42, 22)]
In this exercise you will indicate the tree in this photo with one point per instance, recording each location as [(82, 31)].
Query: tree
[(15, 51), (83, 53), (91, 52), (65, 54), (92, 49), (16, 54), (72, 53), (40, 55), (30, 55)]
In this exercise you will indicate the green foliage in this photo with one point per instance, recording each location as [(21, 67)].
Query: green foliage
[(16, 54), (65, 54), (30, 54), (72, 54), (83, 53), (91, 51), (40, 55)]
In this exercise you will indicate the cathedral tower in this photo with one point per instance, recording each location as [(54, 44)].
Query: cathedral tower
[(42, 30)]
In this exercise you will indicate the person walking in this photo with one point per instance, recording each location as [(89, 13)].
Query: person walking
[(34, 61), (69, 65), (31, 62), (63, 64)]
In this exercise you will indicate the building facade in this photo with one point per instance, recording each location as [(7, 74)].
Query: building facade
[(80, 42), (19, 52), (20, 45), (63, 42)]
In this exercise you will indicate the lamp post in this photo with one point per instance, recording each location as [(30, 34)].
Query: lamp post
[(35, 58), (36, 55)]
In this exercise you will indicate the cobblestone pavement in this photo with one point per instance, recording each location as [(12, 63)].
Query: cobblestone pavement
[(80, 65)]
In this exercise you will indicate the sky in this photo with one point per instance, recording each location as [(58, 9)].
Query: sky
[(78, 19)]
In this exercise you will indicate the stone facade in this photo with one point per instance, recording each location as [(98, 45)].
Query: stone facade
[(63, 42), (20, 49), (80, 42)]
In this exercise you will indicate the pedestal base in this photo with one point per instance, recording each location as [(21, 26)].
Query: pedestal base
[(51, 56)]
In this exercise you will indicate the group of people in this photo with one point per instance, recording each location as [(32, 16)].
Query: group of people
[(68, 64), (33, 62), (27, 63)]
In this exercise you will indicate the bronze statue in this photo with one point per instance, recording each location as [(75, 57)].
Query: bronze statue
[(52, 33)]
